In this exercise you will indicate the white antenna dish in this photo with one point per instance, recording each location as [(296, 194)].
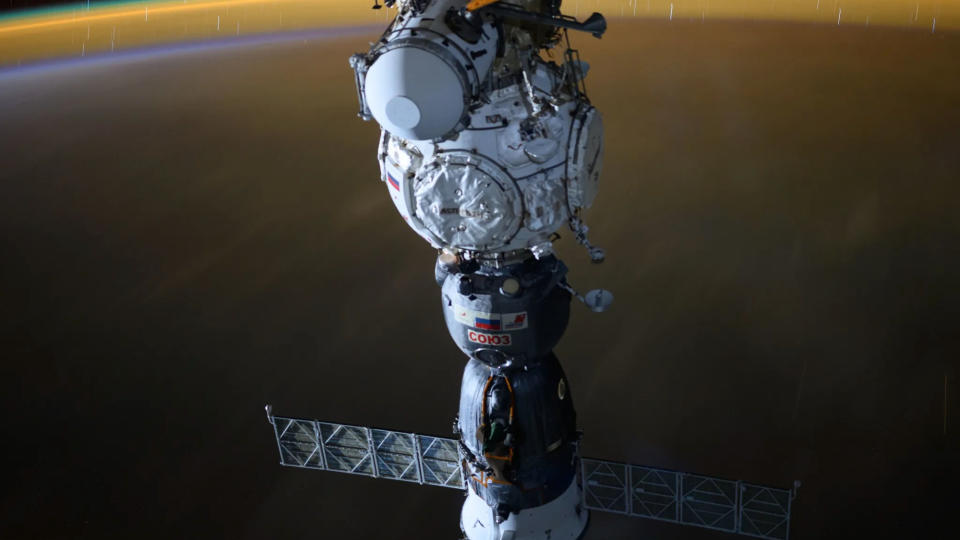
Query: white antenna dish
[(598, 300)]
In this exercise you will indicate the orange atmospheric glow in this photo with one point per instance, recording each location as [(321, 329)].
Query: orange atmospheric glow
[(106, 29)]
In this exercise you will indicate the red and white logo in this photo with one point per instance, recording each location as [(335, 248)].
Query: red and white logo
[(497, 340), (515, 321)]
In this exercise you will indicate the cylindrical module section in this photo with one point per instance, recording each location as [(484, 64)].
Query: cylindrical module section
[(487, 149), (517, 312), (563, 518), (420, 78), (517, 426)]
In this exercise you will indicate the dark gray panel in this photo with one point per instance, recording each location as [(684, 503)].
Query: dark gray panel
[(765, 512), (688, 499), (298, 444), (346, 448), (605, 485), (654, 493), (708, 502), (396, 455), (441, 461)]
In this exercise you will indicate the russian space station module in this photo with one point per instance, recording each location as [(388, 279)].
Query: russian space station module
[(488, 147)]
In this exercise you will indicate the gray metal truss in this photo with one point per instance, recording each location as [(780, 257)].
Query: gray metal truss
[(688, 499), (378, 453), (608, 486)]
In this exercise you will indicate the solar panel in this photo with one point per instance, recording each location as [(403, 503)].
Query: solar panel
[(298, 443), (396, 455), (765, 511), (685, 498), (378, 453), (708, 502), (605, 485), (654, 493), (608, 486)]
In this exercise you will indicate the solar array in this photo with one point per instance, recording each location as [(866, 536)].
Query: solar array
[(378, 453), (688, 499)]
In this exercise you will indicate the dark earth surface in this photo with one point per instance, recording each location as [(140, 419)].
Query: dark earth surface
[(188, 237)]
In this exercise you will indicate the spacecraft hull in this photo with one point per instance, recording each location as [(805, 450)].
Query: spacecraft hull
[(527, 164), (562, 518), (487, 150), (516, 311)]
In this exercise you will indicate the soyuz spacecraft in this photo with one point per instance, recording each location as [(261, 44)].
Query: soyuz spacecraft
[(488, 149)]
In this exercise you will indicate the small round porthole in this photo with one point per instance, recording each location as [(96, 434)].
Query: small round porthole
[(562, 389)]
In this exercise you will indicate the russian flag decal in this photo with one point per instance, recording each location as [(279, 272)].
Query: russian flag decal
[(487, 324), (490, 321), (393, 182)]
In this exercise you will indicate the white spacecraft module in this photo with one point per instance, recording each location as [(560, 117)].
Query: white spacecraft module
[(427, 69), (640, 491), (487, 150), (529, 160)]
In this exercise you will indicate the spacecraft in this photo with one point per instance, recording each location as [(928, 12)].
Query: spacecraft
[(488, 148)]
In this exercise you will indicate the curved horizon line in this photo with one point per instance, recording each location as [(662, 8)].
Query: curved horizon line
[(169, 49)]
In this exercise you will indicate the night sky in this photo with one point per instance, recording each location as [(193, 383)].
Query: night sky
[(20, 5), (185, 237)]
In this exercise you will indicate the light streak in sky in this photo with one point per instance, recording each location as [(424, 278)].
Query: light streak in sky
[(53, 66), (33, 37), (72, 19)]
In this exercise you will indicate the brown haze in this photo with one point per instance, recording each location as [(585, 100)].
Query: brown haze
[(187, 238)]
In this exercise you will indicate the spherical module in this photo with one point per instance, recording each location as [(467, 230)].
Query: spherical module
[(467, 202), (415, 94), (523, 326)]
